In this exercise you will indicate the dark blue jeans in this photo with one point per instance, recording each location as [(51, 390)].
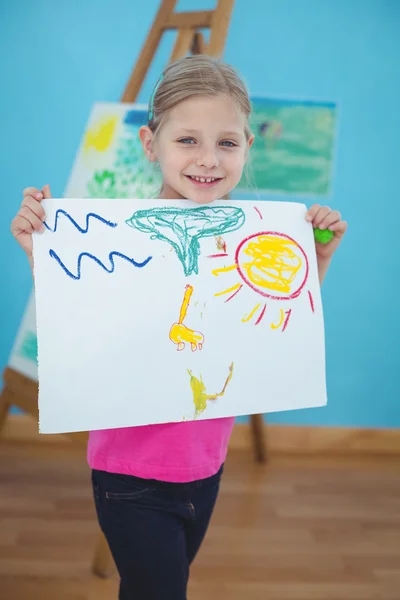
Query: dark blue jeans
[(154, 530)]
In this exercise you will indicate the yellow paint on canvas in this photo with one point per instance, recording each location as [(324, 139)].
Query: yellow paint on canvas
[(101, 135)]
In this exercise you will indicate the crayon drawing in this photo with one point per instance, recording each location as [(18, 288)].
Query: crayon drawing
[(271, 264), (94, 216), (200, 396), (183, 228), (162, 311), (180, 334), (108, 268)]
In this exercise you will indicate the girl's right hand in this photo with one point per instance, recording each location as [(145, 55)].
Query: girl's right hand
[(30, 217)]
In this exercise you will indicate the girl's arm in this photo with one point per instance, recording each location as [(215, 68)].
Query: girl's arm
[(323, 266)]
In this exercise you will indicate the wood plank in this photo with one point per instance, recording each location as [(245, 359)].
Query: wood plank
[(196, 20), (296, 529), (303, 439)]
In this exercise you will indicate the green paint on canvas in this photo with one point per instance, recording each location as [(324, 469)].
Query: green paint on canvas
[(28, 348), (293, 148), (129, 174)]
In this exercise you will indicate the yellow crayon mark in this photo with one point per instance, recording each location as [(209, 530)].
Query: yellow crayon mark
[(200, 397), (179, 333), (247, 318), (221, 244), (231, 289), (224, 270), (274, 263), (282, 316), (101, 135)]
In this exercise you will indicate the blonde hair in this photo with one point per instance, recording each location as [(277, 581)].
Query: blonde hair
[(197, 75)]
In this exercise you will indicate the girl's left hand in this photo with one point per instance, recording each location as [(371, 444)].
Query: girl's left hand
[(325, 218)]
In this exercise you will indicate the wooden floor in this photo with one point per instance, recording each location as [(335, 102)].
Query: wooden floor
[(312, 529)]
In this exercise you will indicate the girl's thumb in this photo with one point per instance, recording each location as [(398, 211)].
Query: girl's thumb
[(46, 191)]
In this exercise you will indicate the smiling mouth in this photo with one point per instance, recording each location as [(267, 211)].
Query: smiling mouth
[(203, 181)]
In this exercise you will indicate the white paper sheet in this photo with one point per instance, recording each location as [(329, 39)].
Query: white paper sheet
[(154, 311)]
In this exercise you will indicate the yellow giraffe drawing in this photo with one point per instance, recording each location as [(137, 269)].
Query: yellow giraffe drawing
[(179, 333)]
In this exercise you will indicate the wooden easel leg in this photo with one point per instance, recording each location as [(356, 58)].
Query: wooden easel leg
[(5, 404), (198, 43), (103, 563), (258, 435), (149, 49), (183, 43), (219, 27)]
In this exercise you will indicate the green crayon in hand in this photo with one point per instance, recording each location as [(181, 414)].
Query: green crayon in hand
[(323, 236)]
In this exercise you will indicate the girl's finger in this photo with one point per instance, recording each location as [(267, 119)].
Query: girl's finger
[(312, 212), (331, 218), (35, 207), (30, 216), (321, 215), (21, 225), (46, 191), (339, 227), (31, 191)]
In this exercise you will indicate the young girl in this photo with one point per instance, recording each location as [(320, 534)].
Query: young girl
[(155, 487)]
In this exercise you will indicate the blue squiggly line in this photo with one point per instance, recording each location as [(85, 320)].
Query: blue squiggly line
[(53, 254), (60, 211)]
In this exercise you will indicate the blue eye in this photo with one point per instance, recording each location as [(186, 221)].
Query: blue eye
[(186, 141), (228, 144)]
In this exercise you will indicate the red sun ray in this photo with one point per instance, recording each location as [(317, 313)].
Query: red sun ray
[(259, 214), (261, 315), (311, 301), (234, 294), (288, 312)]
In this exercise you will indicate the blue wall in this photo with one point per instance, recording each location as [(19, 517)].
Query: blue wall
[(57, 59)]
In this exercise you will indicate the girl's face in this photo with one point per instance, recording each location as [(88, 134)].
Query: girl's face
[(201, 149)]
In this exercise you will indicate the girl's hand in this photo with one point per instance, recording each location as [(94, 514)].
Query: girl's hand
[(30, 217), (325, 218)]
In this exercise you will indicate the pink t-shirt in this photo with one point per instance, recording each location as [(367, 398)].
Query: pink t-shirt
[(175, 452)]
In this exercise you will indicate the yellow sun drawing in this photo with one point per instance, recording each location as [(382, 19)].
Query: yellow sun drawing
[(273, 265)]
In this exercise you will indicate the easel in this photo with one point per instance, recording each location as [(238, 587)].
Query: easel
[(22, 392)]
